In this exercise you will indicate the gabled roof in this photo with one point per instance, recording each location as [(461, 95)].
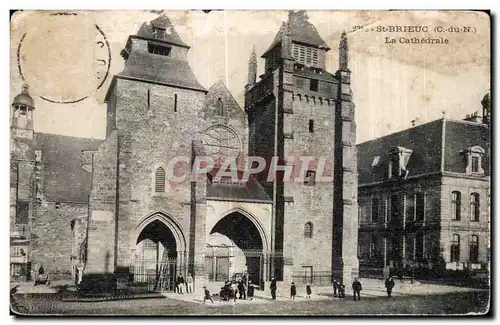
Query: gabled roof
[(302, 31), (219, 90), (64, 179), (147, 31)]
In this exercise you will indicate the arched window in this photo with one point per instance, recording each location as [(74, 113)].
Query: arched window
[(474, 249), (456, 203), (455, 249), (474, 207), (308, 230), (160, 180), (220, 107)]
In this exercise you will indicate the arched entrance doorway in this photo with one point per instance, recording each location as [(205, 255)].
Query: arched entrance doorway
[(158, 254), (235, 247)]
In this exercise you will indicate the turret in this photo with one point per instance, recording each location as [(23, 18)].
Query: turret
[(343, 52), (252, 70), (22, 115)]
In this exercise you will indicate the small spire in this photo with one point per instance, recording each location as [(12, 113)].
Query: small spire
[(25, 89), (252, 68), (288, 30), (343, 49)]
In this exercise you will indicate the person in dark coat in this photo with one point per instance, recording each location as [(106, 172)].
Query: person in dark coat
[(180, 284), (273, 288), (308, 290), (207, 295), (41, 270), (242, 290), (293, 291), (335, 287), (251, 290), (356, 288), (389, 284), (342, 291)]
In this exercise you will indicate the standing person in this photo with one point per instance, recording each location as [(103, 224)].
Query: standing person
[(251, 290), (180, 283), (234, 287), (335, 287), (356, 288), (389, 284), (293, 291), (189, 283), (207, 295), (242, 290), (308, 290), (342, 291), (273, 288)]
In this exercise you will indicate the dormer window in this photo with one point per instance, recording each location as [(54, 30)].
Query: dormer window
[(398, 161), (310, 178), (473, 160), (159, 50)]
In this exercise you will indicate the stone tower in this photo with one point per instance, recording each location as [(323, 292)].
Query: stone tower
[(298, 110), (22, 177), (155, 112)]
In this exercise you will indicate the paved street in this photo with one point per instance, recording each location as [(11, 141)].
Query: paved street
[(408, 299)]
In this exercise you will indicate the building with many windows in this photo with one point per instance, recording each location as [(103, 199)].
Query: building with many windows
[(106, 213), (424, 197)]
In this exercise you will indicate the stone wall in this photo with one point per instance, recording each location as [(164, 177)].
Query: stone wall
[(52, 241)]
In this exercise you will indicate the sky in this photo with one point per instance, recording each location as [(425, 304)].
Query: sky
[(392, 84)]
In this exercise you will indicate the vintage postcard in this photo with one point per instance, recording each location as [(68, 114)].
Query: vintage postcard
[(205, 162)]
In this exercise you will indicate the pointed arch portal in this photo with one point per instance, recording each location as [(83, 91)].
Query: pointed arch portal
[(160, 252), (235, 247)]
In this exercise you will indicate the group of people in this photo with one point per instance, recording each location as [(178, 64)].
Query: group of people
[(181, 283), (357, 287), (232, 290)]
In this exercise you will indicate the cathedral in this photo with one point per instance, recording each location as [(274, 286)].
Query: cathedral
[(105, 213)]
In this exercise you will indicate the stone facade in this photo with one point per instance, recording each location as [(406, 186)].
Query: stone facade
[(414, 218), (108, 214)]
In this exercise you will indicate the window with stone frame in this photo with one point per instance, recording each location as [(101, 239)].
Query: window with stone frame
[(308, 230), (420, 206), (473, 160), (456, 205), (474, 249), (310, 179), (375, 210), (160, 180), (455, 249), (220, 107), (22, 213), (419, 246), (474, 207)]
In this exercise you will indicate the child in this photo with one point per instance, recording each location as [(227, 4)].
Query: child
[(250, 290), (207, 295), (342, 291), (293, 291), (308, 290)]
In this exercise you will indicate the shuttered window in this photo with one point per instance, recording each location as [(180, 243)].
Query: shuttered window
[(160, 180)]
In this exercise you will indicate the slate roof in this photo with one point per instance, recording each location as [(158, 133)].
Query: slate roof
[(308, 72), (162, 22), (248, 191), (64, 180), (155, 68), (251, 191), (426, 141), (302, 31)]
